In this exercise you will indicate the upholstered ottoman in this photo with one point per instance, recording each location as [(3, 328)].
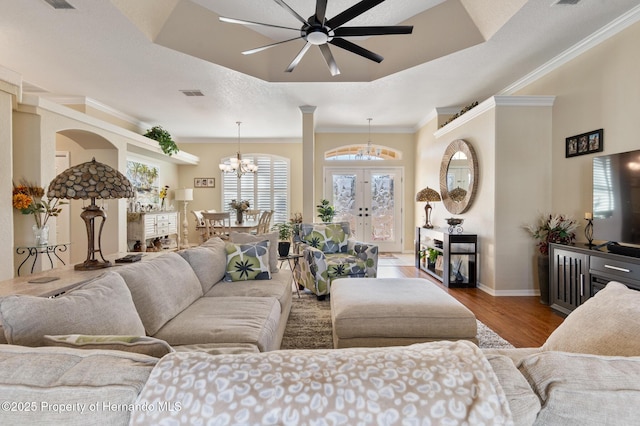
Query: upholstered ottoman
[(396, 311)]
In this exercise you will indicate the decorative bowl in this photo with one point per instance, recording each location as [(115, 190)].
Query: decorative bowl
[(454, 221)]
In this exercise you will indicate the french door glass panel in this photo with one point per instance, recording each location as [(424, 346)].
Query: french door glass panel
[(368, 199)]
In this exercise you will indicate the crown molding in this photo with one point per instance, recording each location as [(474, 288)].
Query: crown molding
[(491, 103), (365, 130), (604, 33)]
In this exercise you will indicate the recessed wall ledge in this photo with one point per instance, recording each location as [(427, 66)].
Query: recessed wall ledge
[(137, 143), (492, 102)]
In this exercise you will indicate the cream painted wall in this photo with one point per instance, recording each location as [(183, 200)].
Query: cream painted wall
[(598, 89), (479, 219), (427, 166), (512, 143), (211, 153), (523, 183), (403, 142)]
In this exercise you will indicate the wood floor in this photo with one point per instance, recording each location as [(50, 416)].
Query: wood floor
[(523, 321)]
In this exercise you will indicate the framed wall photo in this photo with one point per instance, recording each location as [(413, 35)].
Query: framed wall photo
[(204, 182), (586, 143)]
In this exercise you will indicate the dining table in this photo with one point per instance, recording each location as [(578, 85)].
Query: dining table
[(246, 226)]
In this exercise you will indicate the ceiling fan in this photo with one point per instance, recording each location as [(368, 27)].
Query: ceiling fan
[(319, 31)]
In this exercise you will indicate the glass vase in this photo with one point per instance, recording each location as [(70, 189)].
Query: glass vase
[(40, 235), (239, 217)]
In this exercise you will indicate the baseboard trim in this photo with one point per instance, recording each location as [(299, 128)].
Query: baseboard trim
[(506, 293)]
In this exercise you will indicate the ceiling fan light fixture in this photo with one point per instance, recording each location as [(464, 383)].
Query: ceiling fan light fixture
[(317, 36)]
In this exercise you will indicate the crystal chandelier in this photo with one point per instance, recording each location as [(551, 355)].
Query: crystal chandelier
[(368, 152), (237, 165)]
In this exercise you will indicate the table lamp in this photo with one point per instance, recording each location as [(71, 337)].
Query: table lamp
[(429, 195), (88, 181), (185, 195)]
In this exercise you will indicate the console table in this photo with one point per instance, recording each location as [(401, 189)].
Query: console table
[(45, 250), (457, 256), (577, 273), (145, 226)]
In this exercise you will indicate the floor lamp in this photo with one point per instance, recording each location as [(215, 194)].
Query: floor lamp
[(88, 181), (185, 195)]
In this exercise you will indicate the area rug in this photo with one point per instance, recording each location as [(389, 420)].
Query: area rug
[(309, 326)]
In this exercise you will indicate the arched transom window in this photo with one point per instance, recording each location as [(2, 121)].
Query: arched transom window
[(362, 152)]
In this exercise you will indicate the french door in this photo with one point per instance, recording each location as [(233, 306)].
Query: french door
[(370, 199)]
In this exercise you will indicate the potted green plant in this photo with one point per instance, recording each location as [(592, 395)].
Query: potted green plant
[(157, 133), (550, 228), (285, 231), (326, 211)]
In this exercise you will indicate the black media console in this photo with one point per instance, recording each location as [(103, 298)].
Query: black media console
[(578, 273)]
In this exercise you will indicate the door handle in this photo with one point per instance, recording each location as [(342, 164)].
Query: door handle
[(616, 268)]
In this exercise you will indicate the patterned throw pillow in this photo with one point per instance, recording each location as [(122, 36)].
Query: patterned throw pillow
[(329, 238), (248, 261)]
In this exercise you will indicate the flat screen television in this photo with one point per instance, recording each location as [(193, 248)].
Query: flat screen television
[(616, 198)]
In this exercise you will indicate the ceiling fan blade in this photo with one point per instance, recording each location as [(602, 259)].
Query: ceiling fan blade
[(260, 49), (298, 58), (354, 48), (321, 10), (352, 12), (328, 57), (372, 31), (291, 11), (243, 22)]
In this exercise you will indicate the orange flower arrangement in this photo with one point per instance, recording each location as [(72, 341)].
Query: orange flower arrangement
[(27, 197)]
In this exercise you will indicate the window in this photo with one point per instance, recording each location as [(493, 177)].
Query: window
[(603, 196), (362, 152), (267, 189)]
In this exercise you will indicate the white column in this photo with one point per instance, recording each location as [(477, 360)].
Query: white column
[(308, 162)]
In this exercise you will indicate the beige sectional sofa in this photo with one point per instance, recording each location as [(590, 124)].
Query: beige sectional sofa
[(180, 298), (587, 373)]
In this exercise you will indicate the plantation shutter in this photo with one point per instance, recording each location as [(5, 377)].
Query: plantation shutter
[(602, 188), (267, 189)]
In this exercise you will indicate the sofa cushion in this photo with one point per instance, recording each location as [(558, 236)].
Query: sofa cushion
[(328, 238), (225, 320), (100, 306), (208, 262), (161, 288), (136, 344), (581, 389), (606, 324), (245, 237), (524, 404), (248, 261), (279, 286), (62, 381)]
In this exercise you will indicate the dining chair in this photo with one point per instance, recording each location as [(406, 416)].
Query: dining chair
[(252, 214), (264, 222), (217, 224)]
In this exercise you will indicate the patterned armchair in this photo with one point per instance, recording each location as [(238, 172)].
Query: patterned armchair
[(329, 253)]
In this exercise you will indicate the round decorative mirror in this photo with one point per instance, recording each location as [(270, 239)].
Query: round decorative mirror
[(458, 176)]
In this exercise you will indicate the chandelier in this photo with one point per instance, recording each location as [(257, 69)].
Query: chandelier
[(237, 165), (368, 152)]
